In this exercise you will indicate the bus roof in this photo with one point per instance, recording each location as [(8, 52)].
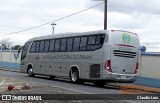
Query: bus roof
[(60, 35), (67, 35)]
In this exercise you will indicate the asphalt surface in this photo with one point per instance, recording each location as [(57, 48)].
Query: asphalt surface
[(87, 88), (64, 86)]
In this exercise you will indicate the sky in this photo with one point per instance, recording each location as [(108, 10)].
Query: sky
[(139, 16)]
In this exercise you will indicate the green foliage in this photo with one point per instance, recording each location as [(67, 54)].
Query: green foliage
[(16, 47)]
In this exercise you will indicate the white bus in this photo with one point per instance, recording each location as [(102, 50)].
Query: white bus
[(98, 56)]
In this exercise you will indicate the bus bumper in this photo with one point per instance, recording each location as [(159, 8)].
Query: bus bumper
[(121, 78)]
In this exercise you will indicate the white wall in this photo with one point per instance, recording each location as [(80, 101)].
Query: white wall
[(150, 66), (9, 56)]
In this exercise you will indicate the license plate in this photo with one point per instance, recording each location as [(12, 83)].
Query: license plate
[(123, 77)]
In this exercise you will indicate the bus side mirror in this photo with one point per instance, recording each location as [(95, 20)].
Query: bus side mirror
[(19, 49)]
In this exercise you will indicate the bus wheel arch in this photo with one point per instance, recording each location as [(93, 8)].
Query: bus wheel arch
[(74, 74), (30, 71)]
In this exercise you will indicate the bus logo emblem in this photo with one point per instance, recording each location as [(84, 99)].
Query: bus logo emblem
[(126, 38)]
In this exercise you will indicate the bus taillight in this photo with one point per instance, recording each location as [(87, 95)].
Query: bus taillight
[(112, 30), (108, 66), (136, 70)]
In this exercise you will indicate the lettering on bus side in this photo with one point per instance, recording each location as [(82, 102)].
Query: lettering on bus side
[(67, 57)]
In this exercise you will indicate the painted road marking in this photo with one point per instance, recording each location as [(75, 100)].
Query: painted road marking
[(2, 81), (71, 89), (12, 83)]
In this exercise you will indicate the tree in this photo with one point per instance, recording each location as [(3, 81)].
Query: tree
[(16, 47), (6, 43)]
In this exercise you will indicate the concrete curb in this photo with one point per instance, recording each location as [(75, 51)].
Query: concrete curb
[(137, 88), (10, 69)]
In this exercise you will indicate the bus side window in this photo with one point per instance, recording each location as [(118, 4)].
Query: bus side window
[(46, 46), (83, 43), (37, 46), (102, 39), (69, 44), (99, 39), (91, 43), (51, 45), (91, 40), (95, 42), (41, 47), (76, 43), (57, 44), (106, 38), (33, 47), (63, 44)]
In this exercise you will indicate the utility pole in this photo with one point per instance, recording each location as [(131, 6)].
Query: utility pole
[(105, 14)]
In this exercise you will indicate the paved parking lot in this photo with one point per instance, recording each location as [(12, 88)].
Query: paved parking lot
[(35, 88), (5, 82), (41, 89)]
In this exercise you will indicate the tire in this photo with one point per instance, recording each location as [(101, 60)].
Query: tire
[(30, 72), (99, 84), (74, 76), (52, 77)]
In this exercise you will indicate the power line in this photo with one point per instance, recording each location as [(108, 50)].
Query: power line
[(54, 20)]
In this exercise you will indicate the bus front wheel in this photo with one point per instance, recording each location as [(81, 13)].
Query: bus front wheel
[(30, 72)]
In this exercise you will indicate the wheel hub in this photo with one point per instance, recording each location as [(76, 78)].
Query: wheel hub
[(74, 76)]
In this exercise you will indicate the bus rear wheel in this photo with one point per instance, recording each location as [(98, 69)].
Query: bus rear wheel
[(30, 72), (74, 76)]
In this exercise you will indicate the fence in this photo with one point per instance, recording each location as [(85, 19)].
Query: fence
[(151, 46), (9, 59)]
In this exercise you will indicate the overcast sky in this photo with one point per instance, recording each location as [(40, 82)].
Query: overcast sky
[(139, 16)]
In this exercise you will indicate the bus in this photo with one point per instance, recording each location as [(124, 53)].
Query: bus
[(98, 56)]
